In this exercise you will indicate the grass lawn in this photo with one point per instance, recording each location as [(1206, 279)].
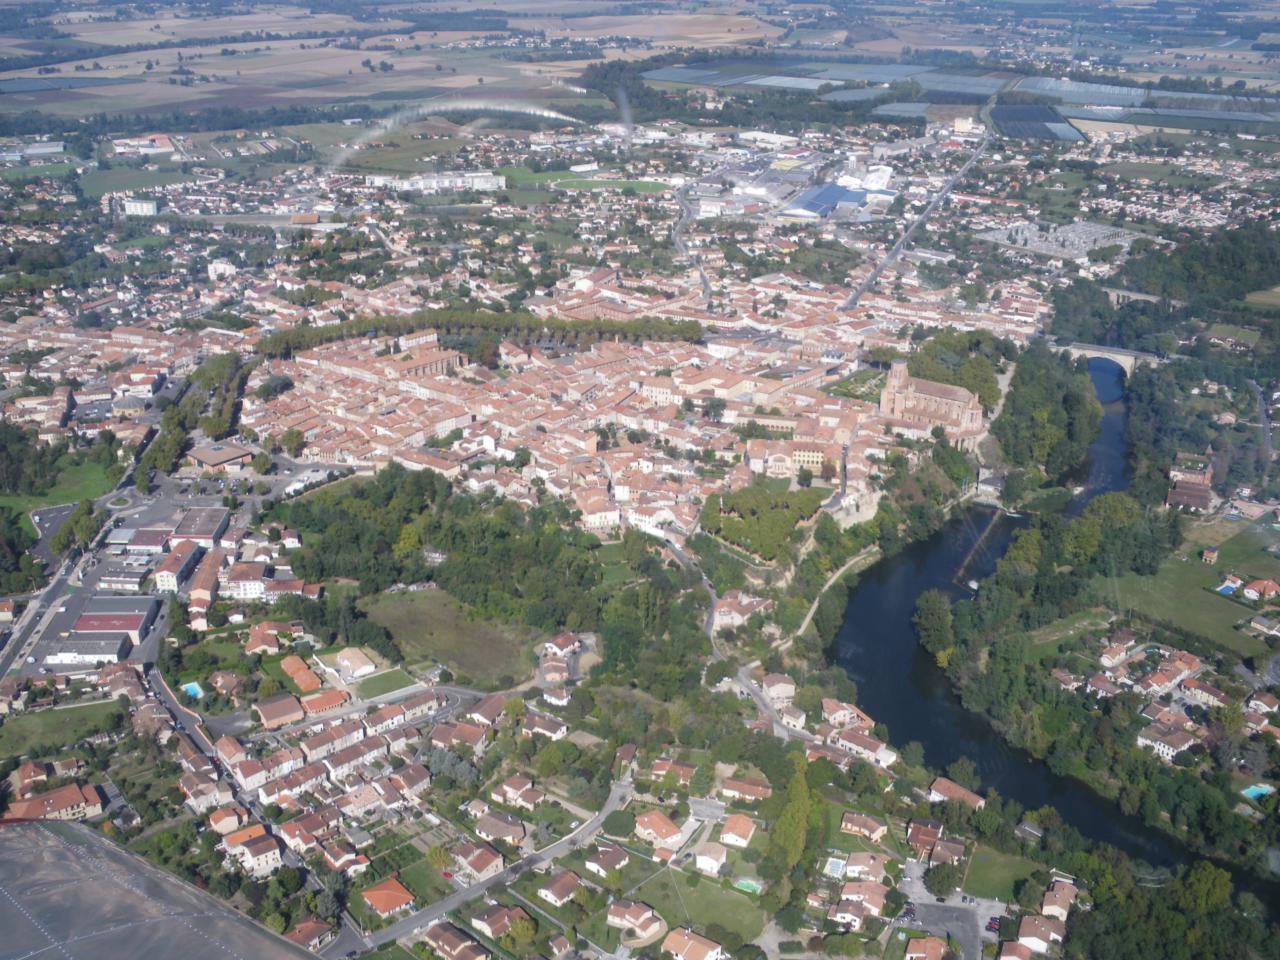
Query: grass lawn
[(1181, 591), (1242, 334), (706, 902), (54, 728), (391, 951), (1264, 298), (993, 874), (522, 176), (98, 182), (1049, 638), (1168, 173), (424, 881), (376, 686), (76, 482), (19, 174), (431, 624), (597, 930), (639, 186)]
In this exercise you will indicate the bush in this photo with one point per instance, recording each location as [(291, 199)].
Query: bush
[(620, 823)]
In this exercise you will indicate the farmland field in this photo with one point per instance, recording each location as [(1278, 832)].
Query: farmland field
[(432, 624)]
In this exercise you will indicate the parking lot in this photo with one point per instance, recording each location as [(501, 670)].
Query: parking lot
[(961, 918)]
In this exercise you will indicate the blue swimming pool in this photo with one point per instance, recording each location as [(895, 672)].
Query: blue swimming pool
[(1258, 791), (193, 690)]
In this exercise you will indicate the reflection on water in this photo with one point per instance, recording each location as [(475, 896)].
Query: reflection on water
[(899, 684)]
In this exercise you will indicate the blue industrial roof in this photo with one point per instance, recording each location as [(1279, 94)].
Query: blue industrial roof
[(824, 198)]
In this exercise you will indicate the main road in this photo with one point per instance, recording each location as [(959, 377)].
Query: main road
[(897, 249)]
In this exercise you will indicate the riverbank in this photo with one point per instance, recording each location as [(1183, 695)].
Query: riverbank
[(902, 687), (900, 684)]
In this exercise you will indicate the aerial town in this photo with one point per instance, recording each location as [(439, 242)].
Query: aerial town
[(694, 481)]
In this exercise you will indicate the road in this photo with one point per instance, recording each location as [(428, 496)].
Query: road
[(897, 249), (743, 676), (686, 214), (677, 237), (1265, 420), (618, 796)]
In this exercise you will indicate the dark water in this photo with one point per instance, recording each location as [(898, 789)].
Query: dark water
[(899, 684)]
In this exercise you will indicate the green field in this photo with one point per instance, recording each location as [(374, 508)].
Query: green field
[(431, 624), (376, 686), (52, 729), (1264, 298), (98, 182), (639, 186), (19, 174), (80, 481), (1163, 173), (424, 881), (1242, 334), (992, 875), (1181, 591), (670, 894)]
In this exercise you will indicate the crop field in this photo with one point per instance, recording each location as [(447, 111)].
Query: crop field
[(699, 29), (280, 73), (280, 20)]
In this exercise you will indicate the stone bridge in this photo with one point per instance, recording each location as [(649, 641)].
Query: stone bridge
[(1130, 360)]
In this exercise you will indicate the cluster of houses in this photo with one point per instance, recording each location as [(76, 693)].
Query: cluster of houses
[(1177, 681), (1038, 933)]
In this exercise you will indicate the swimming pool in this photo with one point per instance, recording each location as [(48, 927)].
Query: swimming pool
[(1258, 791), (193, 690)]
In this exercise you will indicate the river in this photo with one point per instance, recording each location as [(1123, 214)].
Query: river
[(901, 687)]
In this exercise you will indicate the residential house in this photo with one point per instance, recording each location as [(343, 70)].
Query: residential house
[(1058, 900), (1039, 934), (560, 889), (710, 857), (943, 790), (745, 789), (737, 831), (605, 858), (926, 948), (861, 825), (683, 944), (655, 827), (637, 921), (388, 898)]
